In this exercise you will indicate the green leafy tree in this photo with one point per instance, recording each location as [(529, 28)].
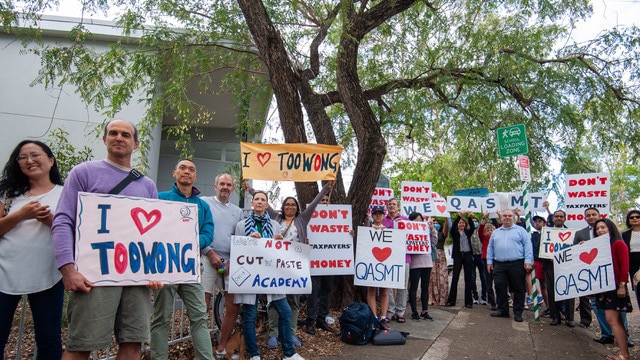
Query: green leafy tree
[(436, 77), (66, 154)]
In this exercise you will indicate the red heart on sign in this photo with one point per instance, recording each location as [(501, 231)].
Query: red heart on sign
[(564, 236), (441, 208), (264, 158), (381, 254), (145, 220), (588, 257)]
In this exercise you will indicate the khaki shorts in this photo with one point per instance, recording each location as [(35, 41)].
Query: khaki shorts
[(211, 280), (121, 310)]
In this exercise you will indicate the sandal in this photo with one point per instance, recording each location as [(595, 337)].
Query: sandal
[(400, 319), (616, 357)]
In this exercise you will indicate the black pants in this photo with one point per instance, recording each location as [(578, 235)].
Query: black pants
[(421, 275), (318, 300), (465, 260), (491, 296), (554, 306), (510, 275), (585, 310)]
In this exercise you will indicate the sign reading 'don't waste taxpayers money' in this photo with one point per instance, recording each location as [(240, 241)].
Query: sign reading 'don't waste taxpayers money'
[(125, 240)]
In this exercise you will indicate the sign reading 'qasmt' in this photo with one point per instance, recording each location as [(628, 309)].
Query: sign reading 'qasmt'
[(290, 162), (129, 241)]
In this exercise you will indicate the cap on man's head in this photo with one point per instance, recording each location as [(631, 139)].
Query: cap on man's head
[(536, 218), (377, 209)]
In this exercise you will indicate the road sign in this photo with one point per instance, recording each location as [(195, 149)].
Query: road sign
[(523, 164), (512, 141)]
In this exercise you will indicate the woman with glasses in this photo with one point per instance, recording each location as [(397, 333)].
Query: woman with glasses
[(632, 238), (29, 191), (293, 223)]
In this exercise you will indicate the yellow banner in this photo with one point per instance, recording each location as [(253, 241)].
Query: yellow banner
[(290, 162)]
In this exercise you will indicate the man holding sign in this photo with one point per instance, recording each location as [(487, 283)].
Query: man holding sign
[(96, 312), (191, 294)]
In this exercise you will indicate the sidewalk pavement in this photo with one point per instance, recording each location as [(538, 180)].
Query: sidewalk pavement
[(462, 333)]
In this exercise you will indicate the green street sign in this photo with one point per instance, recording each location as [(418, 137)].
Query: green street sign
[(512, 141)]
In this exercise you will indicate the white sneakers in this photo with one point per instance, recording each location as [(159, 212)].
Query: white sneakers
[(295, 356), (254, 358)]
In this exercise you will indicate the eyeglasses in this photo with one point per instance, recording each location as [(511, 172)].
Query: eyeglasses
[(24, 157), (290, 205), (635, 217)]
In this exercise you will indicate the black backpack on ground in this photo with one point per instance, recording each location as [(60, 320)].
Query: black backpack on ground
[(357, 324)]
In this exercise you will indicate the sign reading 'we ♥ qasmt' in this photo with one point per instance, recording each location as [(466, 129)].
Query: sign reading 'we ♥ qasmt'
[(380, 257), (124, 240), (294, 162), (585, 269)]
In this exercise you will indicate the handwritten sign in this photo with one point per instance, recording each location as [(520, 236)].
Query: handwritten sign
[(463, 203), (414, 194), (417, 236), (553, 241), (437, 206), (330, 240), (584, 191), (123, 240), (585, 269), (268, 266), (381, 196), (380, 257), (295, 162)]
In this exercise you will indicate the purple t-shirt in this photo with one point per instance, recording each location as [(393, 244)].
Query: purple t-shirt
[(390, 223), (95, 177)]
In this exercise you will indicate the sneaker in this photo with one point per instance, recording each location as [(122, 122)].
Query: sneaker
[(272, 342), (476, 302), (415, 316), (482, 302), (529, 300), (540, 299), (295, 356), (255, 357), (295, 341)]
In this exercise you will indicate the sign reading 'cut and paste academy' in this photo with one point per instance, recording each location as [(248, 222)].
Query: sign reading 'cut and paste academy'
[(512, 140)]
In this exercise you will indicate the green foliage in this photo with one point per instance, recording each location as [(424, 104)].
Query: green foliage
[(66, 154)]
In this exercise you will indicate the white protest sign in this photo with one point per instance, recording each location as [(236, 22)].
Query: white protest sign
[(584, 191), (448, 253), (584, 269), (380, 258), (330, 240), (491, 205), (510, 200), (437, 206), (413, 195), (417, 235), (124, 240), (381, 196), (268, 266), (536, 200), (554, 240), (464, 203)]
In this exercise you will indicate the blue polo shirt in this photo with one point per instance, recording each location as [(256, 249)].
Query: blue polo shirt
[(510, 244)]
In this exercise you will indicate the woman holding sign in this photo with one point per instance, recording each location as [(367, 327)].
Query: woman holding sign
[(260, 225), (29, 191), (420, 272), (293, 223), (616, 301)]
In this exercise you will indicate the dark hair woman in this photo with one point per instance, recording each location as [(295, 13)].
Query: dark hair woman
[(29, 191), (615, 302)]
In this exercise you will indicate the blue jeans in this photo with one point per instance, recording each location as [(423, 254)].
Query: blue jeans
[(249, 314), (46, 308), (605, 329)]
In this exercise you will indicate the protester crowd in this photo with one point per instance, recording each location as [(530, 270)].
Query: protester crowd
[(38, 223)]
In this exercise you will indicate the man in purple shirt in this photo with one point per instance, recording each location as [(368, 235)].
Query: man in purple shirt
[(97, 312)]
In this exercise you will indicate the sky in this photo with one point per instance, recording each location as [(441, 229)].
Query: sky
[(606, 14)]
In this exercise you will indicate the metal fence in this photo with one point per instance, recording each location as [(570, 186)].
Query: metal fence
[(178, 331)]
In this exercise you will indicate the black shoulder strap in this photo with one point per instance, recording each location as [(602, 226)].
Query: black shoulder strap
[(133, 175)]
